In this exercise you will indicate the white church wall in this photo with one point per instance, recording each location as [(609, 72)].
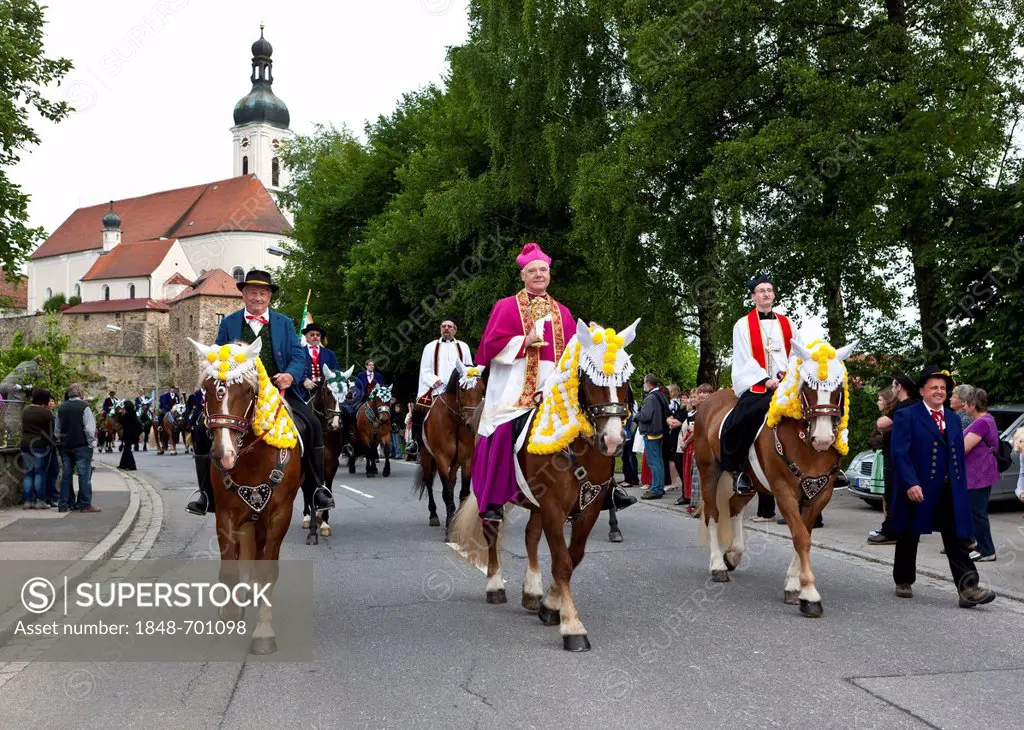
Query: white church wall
[(175, 262), (230, 249), (59, 274)]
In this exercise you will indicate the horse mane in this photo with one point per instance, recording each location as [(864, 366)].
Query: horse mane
[(453, 381)]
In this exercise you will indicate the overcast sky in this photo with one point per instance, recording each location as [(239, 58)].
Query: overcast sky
[(155, 83)]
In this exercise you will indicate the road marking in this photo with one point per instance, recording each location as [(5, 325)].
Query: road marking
[(361, 494)]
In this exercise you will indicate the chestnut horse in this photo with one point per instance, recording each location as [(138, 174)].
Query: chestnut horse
[(449, 433), (170, 429), (373, 428), (326, 402), (795, 457), (569, 466), (255, 477)]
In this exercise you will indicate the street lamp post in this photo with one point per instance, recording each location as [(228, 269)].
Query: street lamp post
[(156, 359)]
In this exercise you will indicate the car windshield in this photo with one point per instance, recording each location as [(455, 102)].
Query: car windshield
[(1007, 418)]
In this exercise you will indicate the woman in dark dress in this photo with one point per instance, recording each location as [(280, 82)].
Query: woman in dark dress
[(131, 429)]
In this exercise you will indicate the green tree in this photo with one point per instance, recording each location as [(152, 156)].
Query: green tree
[(49, 349), (26, 73)]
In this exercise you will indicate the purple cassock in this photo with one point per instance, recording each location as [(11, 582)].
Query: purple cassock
[(515, 374)]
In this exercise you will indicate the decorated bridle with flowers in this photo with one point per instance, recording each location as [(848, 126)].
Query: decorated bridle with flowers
[(819, 366), (599, 354), (337, 384)]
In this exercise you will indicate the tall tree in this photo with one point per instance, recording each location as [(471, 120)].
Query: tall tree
[(26, 73)]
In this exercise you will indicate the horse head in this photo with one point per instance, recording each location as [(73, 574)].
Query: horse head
[(815, 392), (467, 384), (334, 394), (231, 387), (380, 400), (588, 392)]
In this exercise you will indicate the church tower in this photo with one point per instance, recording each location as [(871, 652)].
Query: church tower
[(261, 124)]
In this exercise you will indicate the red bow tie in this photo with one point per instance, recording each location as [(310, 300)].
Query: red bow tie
[(259, 318)]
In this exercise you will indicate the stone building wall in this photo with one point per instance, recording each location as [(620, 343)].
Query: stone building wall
[(198, 318)]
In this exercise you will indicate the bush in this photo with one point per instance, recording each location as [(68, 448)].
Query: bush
[(74, 300), (54, 303)]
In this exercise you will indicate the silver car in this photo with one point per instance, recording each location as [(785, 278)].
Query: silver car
[(864, 483)]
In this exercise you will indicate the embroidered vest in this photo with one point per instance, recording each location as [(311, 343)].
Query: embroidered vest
[(267, 347)]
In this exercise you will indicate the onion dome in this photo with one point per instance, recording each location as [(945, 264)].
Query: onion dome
[(261, 104), (111, 220)]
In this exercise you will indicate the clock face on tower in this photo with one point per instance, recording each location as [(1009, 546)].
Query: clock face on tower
[(275, 144), (245, 143)]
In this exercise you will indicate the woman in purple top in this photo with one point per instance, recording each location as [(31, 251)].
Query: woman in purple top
[(981, 443)]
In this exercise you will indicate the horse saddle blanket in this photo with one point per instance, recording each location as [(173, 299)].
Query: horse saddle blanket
[(520, 435), (752, 460), (424, 403)]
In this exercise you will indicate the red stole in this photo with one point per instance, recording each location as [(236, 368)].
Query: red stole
[(754, 325), (533, 353)]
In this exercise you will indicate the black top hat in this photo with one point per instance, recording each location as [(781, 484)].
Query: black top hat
[(257, 277), (759, 279), (906, 383), (932, 371), (314, 327)]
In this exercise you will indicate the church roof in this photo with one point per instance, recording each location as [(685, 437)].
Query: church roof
[(118, 305), (130, 259), (16, 292), (177, 278), (236, 204), (214, 283)]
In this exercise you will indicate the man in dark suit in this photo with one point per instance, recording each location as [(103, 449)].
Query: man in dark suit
[(365, 382), (930, 488), (283, 358), (317, 356), (167, 401)]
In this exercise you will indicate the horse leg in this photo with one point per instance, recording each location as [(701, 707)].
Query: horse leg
[(734, 552), (229, 536), (312, 537), (352, 460), (387, 459), (563, 559), (495, 583), (810, 599), (614, 534), (533, 585), (715, 496), (448, 497)]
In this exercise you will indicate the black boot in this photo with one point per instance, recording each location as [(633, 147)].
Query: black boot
[(322, 497), (494, 513), (619, 497), (842, 481), (203, 503), (742, 485)]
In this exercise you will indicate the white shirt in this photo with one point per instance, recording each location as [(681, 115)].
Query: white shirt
[(746, 371), (447, 356), (254, 324)]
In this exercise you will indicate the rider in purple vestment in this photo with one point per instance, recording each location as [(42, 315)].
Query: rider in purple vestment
[(523, 340)]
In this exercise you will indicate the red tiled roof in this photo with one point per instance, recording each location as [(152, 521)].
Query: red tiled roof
[(236, 204), (118, 305), (177, 279), (129, 259), (16, 292), (214, 283)]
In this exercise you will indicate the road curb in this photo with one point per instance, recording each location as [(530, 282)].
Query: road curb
[(94, 559), (825, 545)]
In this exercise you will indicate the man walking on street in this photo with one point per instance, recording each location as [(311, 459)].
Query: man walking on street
[(652, 429), (75, 428), (930, 488)]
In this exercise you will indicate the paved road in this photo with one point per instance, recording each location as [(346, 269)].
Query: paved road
[(406, 640)]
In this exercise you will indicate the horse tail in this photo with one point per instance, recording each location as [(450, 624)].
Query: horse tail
[(467, 532), (424, 475)]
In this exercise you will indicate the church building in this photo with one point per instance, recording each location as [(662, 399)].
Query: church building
[(140, 253)]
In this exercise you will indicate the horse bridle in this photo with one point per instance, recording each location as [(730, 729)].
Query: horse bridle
[(810, 486), (462, 413), (810, 412), (611, 409), (326, 412), (237, 424)]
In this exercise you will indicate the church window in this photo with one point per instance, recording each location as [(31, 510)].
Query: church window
[(190, 322), (106, 292), (275, 172), (239, 273), (245, 164), (49, 292), (78, 290), (177, 359), (131, 291), (220, 318)]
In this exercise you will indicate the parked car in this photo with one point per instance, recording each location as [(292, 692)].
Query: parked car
[(868, 485)]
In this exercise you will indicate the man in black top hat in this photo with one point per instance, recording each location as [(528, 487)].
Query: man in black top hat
[(284, 359)]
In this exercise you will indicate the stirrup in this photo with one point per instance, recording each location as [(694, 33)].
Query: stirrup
[(202, 496), (741, 484), (330, 498)]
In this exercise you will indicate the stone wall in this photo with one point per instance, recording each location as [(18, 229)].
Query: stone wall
[(198, 318)]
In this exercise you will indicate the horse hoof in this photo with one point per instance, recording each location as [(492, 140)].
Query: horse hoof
[(576, 642), (531, 603), (720, 576), (614, 536), (434, 521), (811, 609), (731, 566), (549, 616), (791, 598), (312, 539), (305, 522), (497, 596), (325, 530), (386, 472), (263, 645)]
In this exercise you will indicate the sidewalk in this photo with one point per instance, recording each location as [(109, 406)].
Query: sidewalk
[(848, 521), (48, 543)]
